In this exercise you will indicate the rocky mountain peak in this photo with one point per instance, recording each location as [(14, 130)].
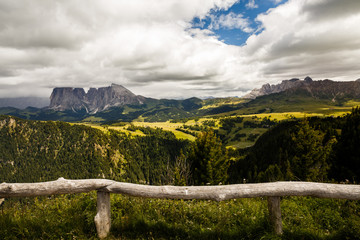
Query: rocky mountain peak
[(317, 89), (95, 100), (267, 89), (66, 98), (308, 79)]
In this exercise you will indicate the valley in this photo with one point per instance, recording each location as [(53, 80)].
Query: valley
[(188, 128)]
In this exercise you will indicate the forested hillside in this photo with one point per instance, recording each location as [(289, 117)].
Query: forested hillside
[(39, 151), (314, 149)]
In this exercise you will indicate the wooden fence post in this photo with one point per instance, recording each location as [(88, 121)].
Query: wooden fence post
[(275, 214), (103, 215)]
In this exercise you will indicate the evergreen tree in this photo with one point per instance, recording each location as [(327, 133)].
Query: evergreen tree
[(310, 160), (182, 172), (209, 160), (348, 150), (272, 174)]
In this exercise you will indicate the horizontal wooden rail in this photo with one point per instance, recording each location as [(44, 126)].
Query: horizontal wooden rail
[(218, 192), (273, 191)]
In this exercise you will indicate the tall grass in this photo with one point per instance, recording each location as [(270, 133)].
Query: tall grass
[(71, 217)]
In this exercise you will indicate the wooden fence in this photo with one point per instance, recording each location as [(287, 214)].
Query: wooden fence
[(273, 191)]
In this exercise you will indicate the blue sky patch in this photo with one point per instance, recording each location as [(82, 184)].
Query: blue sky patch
[(234, 25)]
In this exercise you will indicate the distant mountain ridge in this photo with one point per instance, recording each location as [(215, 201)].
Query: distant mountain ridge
[(116, 103), (317, 89), (24, 102), (95, 100)]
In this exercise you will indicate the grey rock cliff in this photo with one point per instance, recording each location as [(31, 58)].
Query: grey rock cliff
[(267, 89), (327, 89), (67, 98), (94, 100)]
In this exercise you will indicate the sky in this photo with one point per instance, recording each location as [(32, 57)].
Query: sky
[(175, 48)]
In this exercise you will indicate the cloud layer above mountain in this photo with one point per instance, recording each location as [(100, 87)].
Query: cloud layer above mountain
[(152, 47)]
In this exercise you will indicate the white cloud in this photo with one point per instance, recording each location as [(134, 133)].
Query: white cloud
[(231, 21), (150, 47), (295, 43), (61, 43), (251, 4)]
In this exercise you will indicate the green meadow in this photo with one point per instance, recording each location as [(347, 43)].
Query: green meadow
[(72, 217)]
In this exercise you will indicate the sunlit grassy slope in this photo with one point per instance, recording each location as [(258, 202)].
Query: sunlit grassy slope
[(218, 102), (167, 126), (285, 103), (239, 128)]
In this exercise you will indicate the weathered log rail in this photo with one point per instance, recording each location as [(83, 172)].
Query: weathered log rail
[(104, 187)]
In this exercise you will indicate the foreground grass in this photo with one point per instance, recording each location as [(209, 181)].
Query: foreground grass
[(71, 217)]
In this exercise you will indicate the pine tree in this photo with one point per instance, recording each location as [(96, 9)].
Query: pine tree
[(311, 155), (209, 160), (348, 148), (182, 170)]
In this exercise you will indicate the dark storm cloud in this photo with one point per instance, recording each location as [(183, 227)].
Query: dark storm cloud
[(330, 10)]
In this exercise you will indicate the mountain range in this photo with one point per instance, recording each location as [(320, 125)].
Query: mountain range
[(116, 103), (317, 89)]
